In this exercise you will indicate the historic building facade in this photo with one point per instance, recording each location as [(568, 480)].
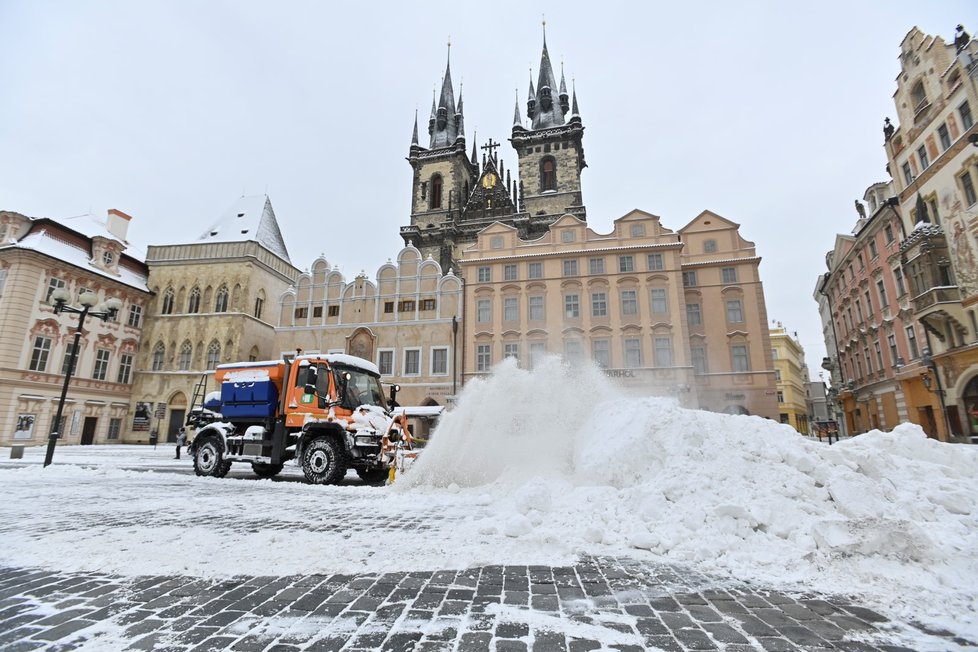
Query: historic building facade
[(214, 302), (407, 321), (37, 257), (634, 302), (791, 378)]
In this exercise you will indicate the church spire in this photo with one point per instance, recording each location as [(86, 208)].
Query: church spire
[(575, 114), (516, 112), (543, 112), (531, 99), (563, 91), (414, 136), (475, 156), (445, 123)]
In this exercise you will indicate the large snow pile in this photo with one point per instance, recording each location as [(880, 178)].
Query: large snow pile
[(568, 460)]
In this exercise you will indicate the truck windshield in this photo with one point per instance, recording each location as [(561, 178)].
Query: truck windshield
[(360, 389)]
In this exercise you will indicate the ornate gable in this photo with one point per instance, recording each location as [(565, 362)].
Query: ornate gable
[(490, 198)]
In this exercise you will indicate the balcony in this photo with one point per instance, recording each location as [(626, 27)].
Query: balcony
[(935, 296)]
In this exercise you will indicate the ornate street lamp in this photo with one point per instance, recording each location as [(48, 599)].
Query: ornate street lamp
[(926, 379), (87, 300)]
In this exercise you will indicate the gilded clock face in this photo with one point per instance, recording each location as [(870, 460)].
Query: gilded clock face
[(489, 180)]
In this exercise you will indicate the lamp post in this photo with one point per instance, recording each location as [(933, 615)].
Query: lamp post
[(454, 355), (87, 300), (932, 366)]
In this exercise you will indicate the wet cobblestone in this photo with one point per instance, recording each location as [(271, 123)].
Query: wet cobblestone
[(600, 603)]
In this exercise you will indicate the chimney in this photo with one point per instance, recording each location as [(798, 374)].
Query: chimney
[(118, 223)]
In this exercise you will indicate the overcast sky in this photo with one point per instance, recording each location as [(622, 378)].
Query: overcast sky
[(769, 114)]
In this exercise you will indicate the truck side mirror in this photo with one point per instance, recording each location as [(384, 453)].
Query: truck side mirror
[(310, 388), (392, 402)]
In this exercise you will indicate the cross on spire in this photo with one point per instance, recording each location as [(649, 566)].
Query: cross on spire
[(490, 147)]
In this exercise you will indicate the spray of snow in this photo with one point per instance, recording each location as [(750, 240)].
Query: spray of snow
[(566, 458)]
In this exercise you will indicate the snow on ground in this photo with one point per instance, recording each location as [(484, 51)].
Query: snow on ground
[(536, 468)]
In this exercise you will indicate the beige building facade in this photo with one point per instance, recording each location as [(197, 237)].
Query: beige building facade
[(37, 257), (791, 376), (402, 321), (657, 319), (214, 302)]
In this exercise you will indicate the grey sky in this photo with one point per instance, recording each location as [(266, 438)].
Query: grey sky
[(769, 114)]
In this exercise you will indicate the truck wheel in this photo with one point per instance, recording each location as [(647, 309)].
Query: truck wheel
[(324, 461), (263, 470), (209, 458), (373, 476)]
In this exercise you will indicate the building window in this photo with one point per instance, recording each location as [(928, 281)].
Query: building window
[(879, 355), (689, 279), (888, 233), (39, 355), (573, 352), (439, 361), (881, 288), (709, 246), (568, 235), (966, 120), (969, 188), (159, 353), (663, 352), (511, 309), (572, 306), (777, 375), (601, 353), (907, 174), (53, 284), (406, 306), (944, 136), (660, 305), (548, 174), (167, 302), (483, 357), (259, 305), (781, 400), (135, 316), (729, 275), (213, 355), (570, 268), (873, 251), (115, 426), (302, 313), (412, 362), (436, 191), (125, 368), (633, 352), (655, 262), (426, 305), (193, 304), (101, 368), (698, 355), (385, 362), (485, 274), (534, 270), (496, 242), (741, 362), (694, 315), (735, 311), (898, 277), (629, 302), (891, 343), (388, 307), (599, 304), (538, 350), (537, 309), (221, 302), (511, 350), (918, 96), (186, 354), (922, 155), (912, 342), (869, 361), (626, 264), (66, 367), (483, 311), (509, 273), (596, 266), (637, 230)]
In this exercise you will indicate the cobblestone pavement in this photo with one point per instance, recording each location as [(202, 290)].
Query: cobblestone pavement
[(599, 603)]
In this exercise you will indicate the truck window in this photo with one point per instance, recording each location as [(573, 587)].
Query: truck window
[(360, 389)]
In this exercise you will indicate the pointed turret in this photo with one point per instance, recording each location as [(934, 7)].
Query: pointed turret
[(475, 156), (531, 99), (459, 118), (575, 113), (431, 120), (517, 122), (414, 136), (563, 91)]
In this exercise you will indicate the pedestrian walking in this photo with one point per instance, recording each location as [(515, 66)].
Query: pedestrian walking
[(181, 438)]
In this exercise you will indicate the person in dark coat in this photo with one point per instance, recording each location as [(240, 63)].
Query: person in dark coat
[(181, 439)]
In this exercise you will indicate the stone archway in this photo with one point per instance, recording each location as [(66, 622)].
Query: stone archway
[(361, 344), (177, 407)]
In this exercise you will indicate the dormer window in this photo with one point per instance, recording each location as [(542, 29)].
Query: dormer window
[(436, 191), (108, 258)]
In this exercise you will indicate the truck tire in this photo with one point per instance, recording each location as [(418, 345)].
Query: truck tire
[(324, 461), (373, 476), (263, 470), (209, 458)]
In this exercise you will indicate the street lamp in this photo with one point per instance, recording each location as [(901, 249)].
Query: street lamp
[(454, 355), (87, 300), (926, 379)]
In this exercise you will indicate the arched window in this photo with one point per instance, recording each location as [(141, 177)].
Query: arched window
[(159, 353), (186, 352), (918, 96), (213, 354), (221, 303), (548, 174), (436, 191), (253, 355), (167, 302), (193, 304)]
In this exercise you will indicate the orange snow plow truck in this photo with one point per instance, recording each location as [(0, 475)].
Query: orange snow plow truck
[(325, 412)]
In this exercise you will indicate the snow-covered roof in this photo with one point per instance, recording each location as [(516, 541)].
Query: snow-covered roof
[(250, 218), (46, 242)]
